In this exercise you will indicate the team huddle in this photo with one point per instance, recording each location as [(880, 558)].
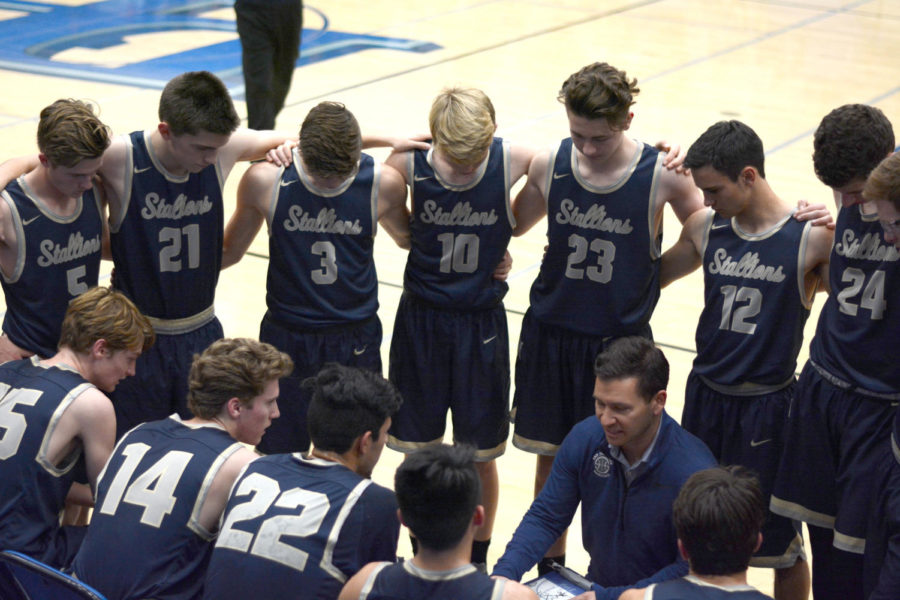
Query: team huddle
[(218, 467)]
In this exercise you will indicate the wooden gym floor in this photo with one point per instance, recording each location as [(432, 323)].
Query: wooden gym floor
[(779, 66)]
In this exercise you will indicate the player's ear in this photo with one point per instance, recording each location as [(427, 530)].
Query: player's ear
[(758, 541), (100, 349), (364, 443), (684, 553), (478, 516), (164, 130), (234, 407), (749, 175)]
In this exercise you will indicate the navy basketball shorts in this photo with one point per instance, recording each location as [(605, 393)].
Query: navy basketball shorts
[(834, 438), (159, 386), (748, 431), (554, 383), (881, 564), (452, 360), (354, 345)]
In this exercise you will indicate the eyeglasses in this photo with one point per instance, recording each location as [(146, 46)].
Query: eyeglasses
[(891, 227)]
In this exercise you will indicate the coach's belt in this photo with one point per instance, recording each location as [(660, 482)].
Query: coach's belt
[(184, 324)]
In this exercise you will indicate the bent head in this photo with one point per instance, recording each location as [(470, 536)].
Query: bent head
[(883, 188), (72, 140), (726, 161), (235, 380), (462, 123), (108, 331), (717, 516), (351, 410), (598, 101), (850, 141), (330, 141), (438, 492), (197, 118)]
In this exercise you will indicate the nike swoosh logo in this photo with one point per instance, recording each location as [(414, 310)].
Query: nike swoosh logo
[(145, 169), (287, 183), (489, 340), (31, 220), (720, 226), (754, 443), (359, 351), (560, 175), (417, 178)]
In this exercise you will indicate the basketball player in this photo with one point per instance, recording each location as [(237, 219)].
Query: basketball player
[(882, 556), (604, 194), (322, 290), (450, 346), (51, 229), (438, 489), (161, 495), (761, 269), (58, 426), (717, 514), (847, 393), (309, 522)]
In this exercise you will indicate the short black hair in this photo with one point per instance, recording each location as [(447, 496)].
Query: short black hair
[(438, 490), (850, 142), (346, 403), (727, 147), (634, 357), (717, 516)]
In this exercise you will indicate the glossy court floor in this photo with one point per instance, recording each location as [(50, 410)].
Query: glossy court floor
[(777, 65)]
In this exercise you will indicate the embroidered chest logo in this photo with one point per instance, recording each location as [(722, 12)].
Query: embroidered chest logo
[(602, 465)]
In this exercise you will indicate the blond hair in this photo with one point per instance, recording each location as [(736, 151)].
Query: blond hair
[(884, 181), (462, 123), (104, 313), (233, 368), (69, 132)]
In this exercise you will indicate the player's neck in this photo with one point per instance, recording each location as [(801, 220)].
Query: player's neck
[(608, 169), (162, 153), (764, 211), (454, 174), (723, 580), (343, 459), (67, 358), (38, 183), (444, 560)]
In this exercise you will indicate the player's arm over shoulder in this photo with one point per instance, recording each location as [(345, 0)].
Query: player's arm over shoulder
[(392, 211), (679, 191), (353, 588), (633, 594), (684, 255), (249, 144), (818, 255), (254, 195), (520, 158), (530, 204)]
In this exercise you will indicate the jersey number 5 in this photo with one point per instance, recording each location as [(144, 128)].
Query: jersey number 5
[(12, 422)]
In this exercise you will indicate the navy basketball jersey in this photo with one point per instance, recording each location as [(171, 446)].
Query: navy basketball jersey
[(145, 539), (33, 490), (755, 303), (167, 245), (405, 581), (861, 317), (692, 588), (58, 259), (299, 524), (321, 270), (600, 274), (459, 233)]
